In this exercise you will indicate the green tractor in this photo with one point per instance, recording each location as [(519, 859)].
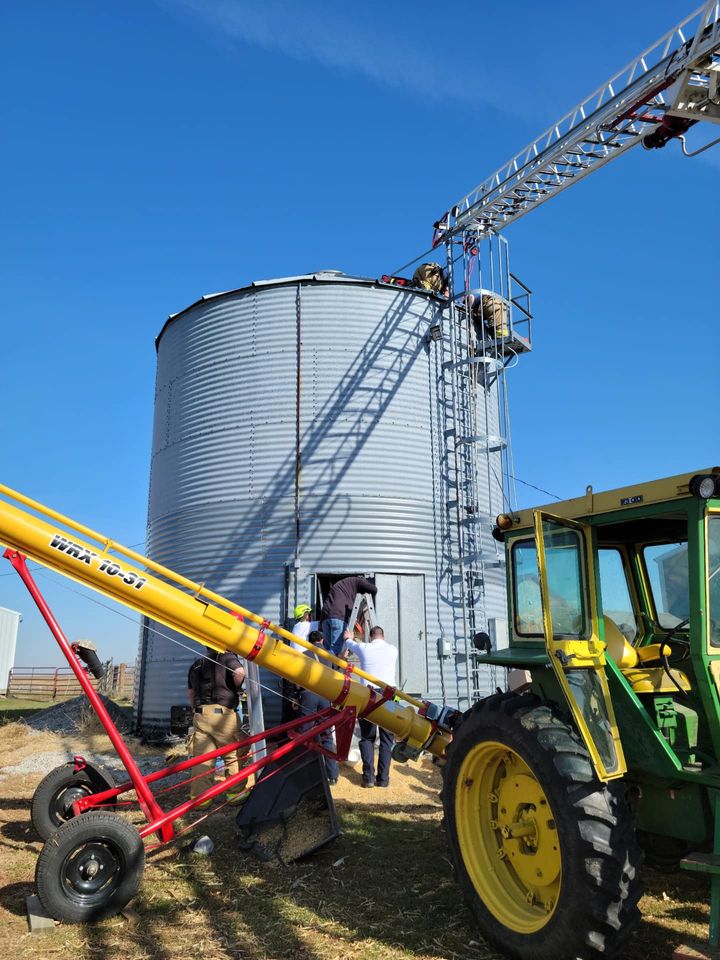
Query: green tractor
[(608, 751)]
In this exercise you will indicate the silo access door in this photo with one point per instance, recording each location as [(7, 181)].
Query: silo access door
[(400, 610)]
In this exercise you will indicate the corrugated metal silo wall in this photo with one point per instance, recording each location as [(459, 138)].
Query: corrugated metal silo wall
[(222, 500), (221, 507)]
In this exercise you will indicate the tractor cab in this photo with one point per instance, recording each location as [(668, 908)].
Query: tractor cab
[(619, 594)]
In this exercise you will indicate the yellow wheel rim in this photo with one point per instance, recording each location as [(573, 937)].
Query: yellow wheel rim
[(508, 837)]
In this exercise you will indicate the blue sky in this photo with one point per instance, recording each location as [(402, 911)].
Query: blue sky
[(156, 151)]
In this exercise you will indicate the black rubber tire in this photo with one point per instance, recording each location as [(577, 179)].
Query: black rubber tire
[(596, 911), (102, 842), (54, 795)]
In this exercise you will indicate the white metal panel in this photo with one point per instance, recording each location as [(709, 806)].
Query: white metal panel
[(413, 634), (9, 622), (386, 607)]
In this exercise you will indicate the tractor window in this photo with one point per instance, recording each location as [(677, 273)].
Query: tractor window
[(563, 555), (565, 574), (526, 589), (616, 600), (667, 570), (714, 579)]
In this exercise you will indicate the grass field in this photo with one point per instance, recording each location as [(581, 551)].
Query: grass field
[(11, 709), (384, 890)]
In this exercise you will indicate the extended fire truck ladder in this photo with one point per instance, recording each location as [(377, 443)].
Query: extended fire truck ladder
[(656, 97)]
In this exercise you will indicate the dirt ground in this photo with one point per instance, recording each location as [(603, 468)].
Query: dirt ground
[(384, 889)]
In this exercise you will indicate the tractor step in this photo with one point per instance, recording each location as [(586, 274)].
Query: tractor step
[(685, 952), (695, 952), (701, 863)]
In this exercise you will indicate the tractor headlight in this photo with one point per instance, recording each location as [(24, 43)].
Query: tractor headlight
[(704, 486), (503, 522)]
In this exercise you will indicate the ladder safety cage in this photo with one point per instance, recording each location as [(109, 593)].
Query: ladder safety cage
[(480, 340)]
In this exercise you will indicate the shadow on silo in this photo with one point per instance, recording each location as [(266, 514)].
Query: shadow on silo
[(389, 353)]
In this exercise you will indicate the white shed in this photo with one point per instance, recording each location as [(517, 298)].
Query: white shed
[(9, 622)]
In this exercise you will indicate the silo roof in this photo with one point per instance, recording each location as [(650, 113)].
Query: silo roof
[(320, 276)]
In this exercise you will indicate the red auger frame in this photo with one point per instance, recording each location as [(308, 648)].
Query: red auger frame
[(160, 822)]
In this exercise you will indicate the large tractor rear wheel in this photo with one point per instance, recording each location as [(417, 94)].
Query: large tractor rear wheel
[(544, 852)]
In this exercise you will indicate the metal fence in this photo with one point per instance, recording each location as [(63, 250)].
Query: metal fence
[(60, 683)]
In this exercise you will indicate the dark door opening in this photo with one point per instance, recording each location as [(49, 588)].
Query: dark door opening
[(324, 581)]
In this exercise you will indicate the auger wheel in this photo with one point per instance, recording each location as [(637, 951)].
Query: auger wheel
[(545, 854), (90, 868), (55, 794)]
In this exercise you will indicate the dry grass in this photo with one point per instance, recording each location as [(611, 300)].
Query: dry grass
[(383, 890)]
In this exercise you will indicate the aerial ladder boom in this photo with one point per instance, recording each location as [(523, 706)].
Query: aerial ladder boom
[(190, 608), (657, 96)]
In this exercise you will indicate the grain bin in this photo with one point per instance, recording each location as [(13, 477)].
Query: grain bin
[(299, 435)]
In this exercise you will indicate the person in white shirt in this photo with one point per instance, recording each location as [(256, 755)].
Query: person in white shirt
[(379, 658), (303, 624)]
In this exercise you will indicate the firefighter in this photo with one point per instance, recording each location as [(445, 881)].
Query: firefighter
[(490, 314), (431, 276), (214, 682)]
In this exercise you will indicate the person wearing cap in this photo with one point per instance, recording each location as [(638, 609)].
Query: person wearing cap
[(303, 624)]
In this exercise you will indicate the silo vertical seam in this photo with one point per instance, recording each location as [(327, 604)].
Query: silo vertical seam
[(298, 398)]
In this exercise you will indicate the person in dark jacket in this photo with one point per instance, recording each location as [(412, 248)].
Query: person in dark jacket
[(213, 684), (337, 608), (309, 702)]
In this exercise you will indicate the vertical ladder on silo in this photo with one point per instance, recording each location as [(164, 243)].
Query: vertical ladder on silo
[(467, 576), (472, 366)]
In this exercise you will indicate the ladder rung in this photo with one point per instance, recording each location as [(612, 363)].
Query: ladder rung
[(493, 443), (468, 361)]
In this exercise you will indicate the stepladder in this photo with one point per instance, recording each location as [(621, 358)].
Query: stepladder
[(363, 614)]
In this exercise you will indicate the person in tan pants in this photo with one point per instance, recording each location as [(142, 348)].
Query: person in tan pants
[(214, 682)]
